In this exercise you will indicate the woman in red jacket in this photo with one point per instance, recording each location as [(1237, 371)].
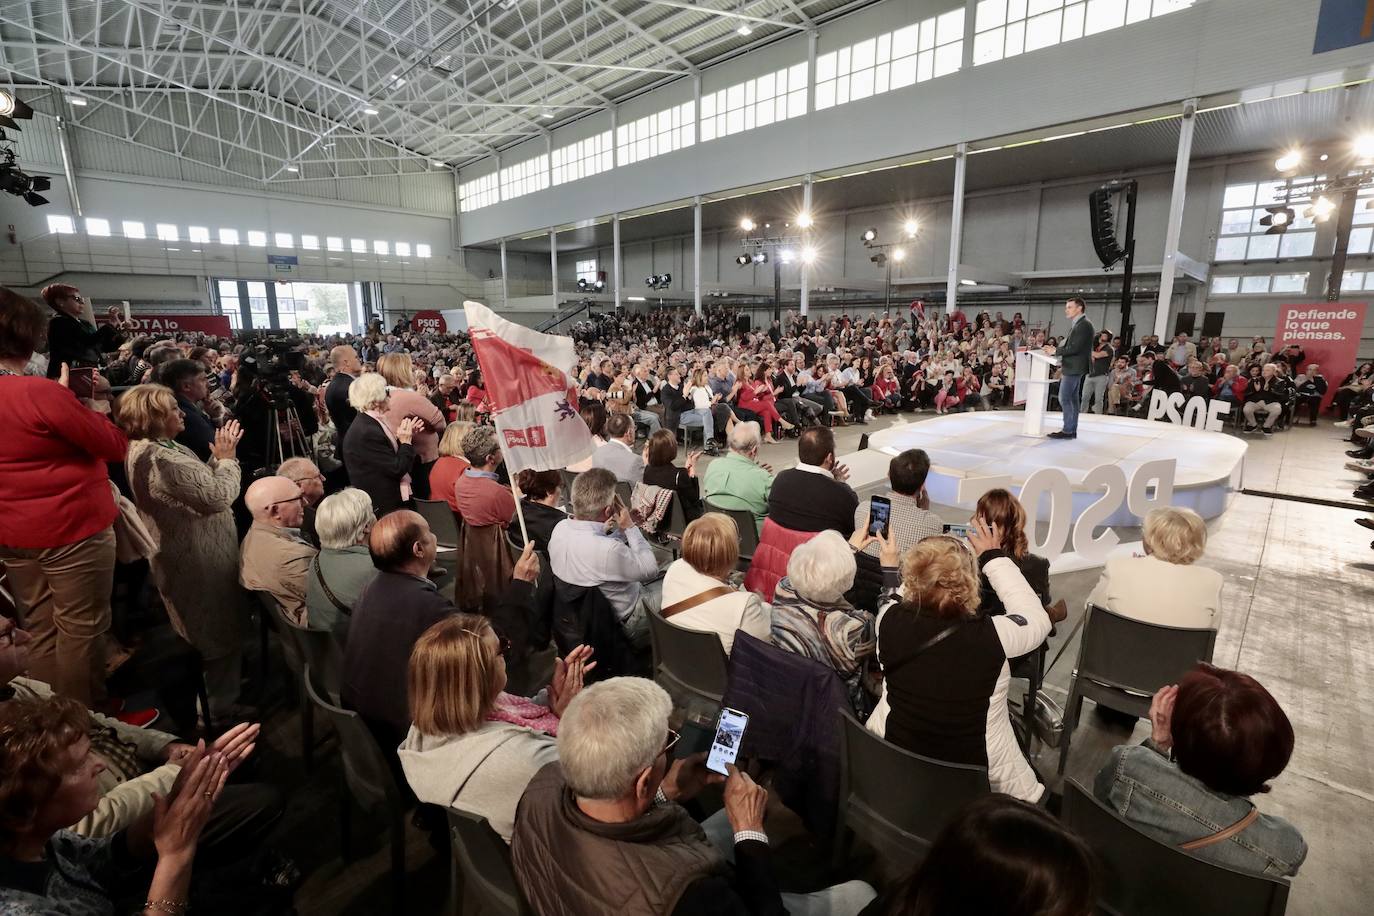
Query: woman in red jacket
[(758, 395), (57, 510)]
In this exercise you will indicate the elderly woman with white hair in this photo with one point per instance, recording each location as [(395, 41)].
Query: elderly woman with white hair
[(1164, 586), (379, 459), (812, 618), (343, 566)]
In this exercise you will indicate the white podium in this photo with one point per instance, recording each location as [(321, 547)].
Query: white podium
[(1032, 388)]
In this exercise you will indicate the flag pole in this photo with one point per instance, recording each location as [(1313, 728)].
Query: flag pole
[(520, 514)]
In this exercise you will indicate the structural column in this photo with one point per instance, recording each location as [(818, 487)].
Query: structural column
[(696, 254), (1175, 226), (956, 228), (553, 263), (615, 257), (806, 244), (505, 287)]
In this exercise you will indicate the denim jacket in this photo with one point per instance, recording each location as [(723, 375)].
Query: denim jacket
[(1148, 789)]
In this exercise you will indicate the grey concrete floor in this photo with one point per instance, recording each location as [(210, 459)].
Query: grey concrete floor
[(1298, 601)]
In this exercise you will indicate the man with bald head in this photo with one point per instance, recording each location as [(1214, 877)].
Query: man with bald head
[(273, 558), (305, 474), (395, 608), (344, 359)]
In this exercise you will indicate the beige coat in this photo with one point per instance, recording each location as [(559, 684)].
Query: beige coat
[(276, 560), (1153, 591), (186, 505)]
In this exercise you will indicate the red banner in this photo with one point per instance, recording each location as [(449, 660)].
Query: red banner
[(217, 325), (429, 322), (1329, 335)]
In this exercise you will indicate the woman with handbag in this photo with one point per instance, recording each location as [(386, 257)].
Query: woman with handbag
[(343, 567), (696, 594)]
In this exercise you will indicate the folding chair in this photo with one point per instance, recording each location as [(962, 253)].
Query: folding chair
[(689, 661), (481, 863), (748, 531)]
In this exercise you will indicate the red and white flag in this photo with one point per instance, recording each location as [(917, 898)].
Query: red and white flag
[(530, 383)]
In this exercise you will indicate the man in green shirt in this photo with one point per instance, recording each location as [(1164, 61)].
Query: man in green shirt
[(737, 480)]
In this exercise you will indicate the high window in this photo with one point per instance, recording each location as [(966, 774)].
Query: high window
[(586, 270), (480, 192), (133, 229), (525, 177), (924, 50), (1241, 237), (661, 132), (1006, 28), (582, 158), (198, 233), (1259, 284), (167, 232), (61, 224), (754, 103)]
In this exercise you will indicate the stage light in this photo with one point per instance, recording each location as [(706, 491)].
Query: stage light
[(898, 254), (11, 106), (16, 182), (649, 281), (743, 260), (1278, 220), (599, 286), (804, 220), (1289, 160), (666, 279), (747, 224), (880, 259), (911, 227), (870, 235), (760, 257), (745, 29), (581, 284), (809, 255), (1364, 146), (1323, 157), (1322, 208)]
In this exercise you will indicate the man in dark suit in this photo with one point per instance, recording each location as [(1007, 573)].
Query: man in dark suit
[(344, 359), (1075, 358), (186, 378), (813, 496)]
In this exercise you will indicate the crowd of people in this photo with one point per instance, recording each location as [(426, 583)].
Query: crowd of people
[(308, 474)]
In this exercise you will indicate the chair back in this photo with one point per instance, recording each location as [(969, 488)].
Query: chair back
[(898, 801), (1122, 662), (748, 530), (568, 478), (677, 520), (485, 862), (441, 519), (689, 661), (286, 632), (366, 771), (324, 661), (1142, 876), (583, 615)]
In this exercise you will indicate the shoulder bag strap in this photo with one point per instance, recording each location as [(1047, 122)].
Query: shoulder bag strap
[(1223, 834), (328, 592), (686, 604)]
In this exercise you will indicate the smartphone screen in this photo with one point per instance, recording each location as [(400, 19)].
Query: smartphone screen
[(725, 745), (82, 382), (959, 531), (879, 515)]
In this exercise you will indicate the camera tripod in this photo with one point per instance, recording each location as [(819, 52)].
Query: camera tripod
[(284, 437)]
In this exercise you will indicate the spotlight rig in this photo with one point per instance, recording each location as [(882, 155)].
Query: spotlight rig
[(591, 286), (14, 180), (659, 281)]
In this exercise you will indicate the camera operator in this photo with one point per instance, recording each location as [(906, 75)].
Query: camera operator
[(264, 382)]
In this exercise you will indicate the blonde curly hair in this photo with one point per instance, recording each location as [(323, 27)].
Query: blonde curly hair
[(940, 577)]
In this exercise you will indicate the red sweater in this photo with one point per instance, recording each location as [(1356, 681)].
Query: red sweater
[(54, 487)]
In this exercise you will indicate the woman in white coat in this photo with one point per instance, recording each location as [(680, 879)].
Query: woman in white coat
[(1164, 587), (696, 595)]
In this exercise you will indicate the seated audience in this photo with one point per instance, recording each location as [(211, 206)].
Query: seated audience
[(1217, 738), (1311, 387), (1262, 394), (999, 508), (1163, 586), (51, 780), (391, 613), (187, 506), (812, 618), (660, 451), (813, 495), (540, 494), (696, 590), (945, 671), (305, 474), (617, 455), (589, 829), (472, 746), (379, 459), (482, 499), (1230, 387), (737, 480), (57, 510), (273, 558), (601, 547), (449, 468), (999, 855), (343, 567), (593, 413), (910, 517)]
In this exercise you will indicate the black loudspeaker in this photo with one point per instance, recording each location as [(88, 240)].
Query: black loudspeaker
[(1104, 227), (1185, 323), (743, 324), (1212, 322)]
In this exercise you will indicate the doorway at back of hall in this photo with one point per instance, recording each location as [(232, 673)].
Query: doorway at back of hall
[(283, 305)]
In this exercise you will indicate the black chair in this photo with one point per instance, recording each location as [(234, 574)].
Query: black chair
[(675, 527), (294, 654), (748, 531), (689, 661), (684, 435), (1140, 876), (367, 779), (323, 660), (894, 800), (583, 616), (1123, 662), (483, 860), (443, 522)]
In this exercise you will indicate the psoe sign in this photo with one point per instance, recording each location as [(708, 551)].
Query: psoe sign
[(1198, 412), (428, 322)]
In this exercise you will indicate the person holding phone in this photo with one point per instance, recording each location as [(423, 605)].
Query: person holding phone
[(74, 338), (945, 664), (605, 827)]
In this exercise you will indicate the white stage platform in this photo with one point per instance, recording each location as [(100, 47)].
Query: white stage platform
[(990, 444)]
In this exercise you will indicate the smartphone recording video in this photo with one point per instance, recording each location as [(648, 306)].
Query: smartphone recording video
[(879, 516), (725, 745), (959, 531)]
